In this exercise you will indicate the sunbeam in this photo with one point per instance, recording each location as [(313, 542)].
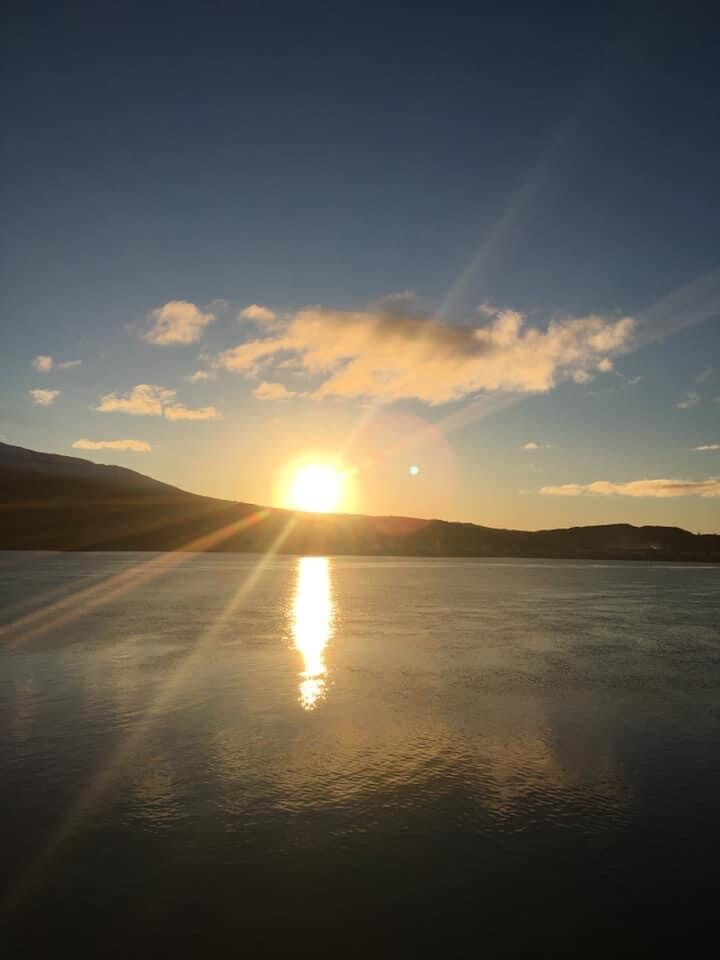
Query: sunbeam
[(93, 793)]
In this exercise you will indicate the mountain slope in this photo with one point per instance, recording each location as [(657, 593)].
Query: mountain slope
[(36, 468), (51, 502)]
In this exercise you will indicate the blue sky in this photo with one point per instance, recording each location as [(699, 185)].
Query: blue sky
[(372, 177)]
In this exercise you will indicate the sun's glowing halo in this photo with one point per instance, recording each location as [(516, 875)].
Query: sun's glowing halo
[(316, 487)]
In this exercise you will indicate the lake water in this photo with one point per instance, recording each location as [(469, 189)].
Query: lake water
[(208, 755)]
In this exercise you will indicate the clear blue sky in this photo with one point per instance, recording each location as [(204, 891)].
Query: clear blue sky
[(527, 176)]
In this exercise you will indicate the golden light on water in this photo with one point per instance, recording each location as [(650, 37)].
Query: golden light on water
[(312, 627)]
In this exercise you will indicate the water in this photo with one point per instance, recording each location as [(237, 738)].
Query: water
[(225, 755)]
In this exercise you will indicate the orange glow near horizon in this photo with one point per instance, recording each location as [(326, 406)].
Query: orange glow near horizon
[(316, 487)]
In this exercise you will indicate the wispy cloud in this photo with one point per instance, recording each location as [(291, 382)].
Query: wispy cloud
[(389, 355), (144, 400), (628, 381), (201, 375), (257, 313), (690, 400), (708, 446), (44, 398), (400, 299), (639, 488), (177, 322), (273, 391), (149, 400), (137, 446), (179, 412), (44, 363), (531, 445)]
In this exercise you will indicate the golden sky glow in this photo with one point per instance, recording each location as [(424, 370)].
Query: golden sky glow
[(317, 487)]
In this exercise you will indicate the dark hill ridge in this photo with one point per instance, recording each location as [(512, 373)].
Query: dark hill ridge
[(51, 502), (36, 467)]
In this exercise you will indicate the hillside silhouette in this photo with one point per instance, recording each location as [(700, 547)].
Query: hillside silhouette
[(52, 502)]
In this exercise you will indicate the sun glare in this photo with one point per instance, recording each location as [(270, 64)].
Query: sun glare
[(312, 627), (316, 487)]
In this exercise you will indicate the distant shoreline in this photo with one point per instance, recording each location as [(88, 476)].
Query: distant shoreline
[(377, 556), (56, 503)]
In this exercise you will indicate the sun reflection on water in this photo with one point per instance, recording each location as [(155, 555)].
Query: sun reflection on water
[(313, 614)]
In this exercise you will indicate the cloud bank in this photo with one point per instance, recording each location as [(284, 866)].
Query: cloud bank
[(44, 363), (177, 322), (137, 446), (639, 488), (390, 355), (44, 398)]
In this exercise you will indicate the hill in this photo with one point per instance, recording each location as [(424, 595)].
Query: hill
[(52, 502)]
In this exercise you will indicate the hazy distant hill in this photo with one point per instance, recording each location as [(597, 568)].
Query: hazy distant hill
[(51, 502)]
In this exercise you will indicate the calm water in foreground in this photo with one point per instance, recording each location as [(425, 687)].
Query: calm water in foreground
[(222, 755)]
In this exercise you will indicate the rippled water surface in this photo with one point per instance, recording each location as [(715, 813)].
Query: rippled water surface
[(226, 755)]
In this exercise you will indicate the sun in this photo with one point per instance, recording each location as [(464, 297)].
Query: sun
[(316, 487)]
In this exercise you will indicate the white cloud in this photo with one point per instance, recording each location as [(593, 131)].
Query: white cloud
[(531, 445), (137, 446), (144, 400), (639, 488), (273, 391), (691, 399), (605, 365), (44, 398), (708, 446), (257, 313), (200, 375), (389, 355), (177, 322), (179, 412), (45, 364)]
